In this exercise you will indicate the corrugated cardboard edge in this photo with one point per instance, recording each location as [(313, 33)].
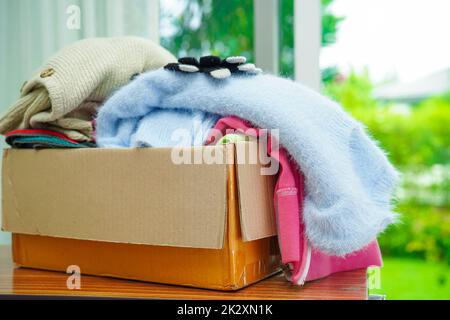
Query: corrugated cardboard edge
[(256, 191), (16, 209)]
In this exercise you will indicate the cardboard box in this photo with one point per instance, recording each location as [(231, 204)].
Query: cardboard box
[(135, 214)]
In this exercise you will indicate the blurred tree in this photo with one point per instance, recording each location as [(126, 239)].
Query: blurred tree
[(416, 136), (211, 26), (226, 28)]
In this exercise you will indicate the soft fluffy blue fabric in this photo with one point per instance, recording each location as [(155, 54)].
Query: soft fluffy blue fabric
[(158, 128), (349, 181)]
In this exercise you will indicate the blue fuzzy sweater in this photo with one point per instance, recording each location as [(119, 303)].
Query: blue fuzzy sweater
[(349, 181)]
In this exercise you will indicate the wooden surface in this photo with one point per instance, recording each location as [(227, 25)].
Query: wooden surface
[(26, 282)]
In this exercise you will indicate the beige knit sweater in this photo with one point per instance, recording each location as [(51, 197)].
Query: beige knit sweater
[(67, 90)]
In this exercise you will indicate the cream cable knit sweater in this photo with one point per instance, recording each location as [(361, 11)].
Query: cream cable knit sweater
[(67, 90)]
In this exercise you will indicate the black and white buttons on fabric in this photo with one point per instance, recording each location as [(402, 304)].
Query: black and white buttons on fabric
[(214, 66)]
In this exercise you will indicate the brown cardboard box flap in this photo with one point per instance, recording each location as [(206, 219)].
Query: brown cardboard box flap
[(256, 191), (123, 195), (131, 196)]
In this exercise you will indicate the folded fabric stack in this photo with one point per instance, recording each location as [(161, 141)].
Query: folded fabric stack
[(64, 96), (334, 186), (41, 139)]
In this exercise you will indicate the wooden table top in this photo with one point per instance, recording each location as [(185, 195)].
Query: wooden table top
[(29, 282)]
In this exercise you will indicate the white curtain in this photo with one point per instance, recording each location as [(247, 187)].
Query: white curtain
[(33, 30)]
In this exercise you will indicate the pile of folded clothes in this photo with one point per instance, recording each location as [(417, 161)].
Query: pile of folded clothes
[(64, 96), (334, 186), (41, 138)]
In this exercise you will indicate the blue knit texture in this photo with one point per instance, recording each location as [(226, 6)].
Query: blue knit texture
[(349, 181), (158, 129)]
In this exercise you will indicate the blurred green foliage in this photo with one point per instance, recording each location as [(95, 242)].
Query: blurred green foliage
[(414, 279), (221, 28), (423, 233), (416, 135)]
